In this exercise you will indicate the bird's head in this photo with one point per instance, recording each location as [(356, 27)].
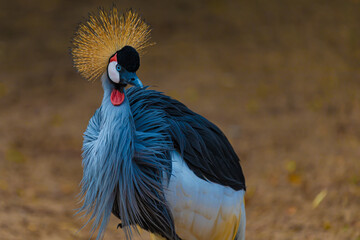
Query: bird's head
[(111, 43), (122, 68), (121, 71)]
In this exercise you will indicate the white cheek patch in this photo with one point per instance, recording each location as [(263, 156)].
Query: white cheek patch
[(113, 73)]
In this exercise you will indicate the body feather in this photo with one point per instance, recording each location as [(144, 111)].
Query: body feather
[(204, 147), (127, 159), (123, 170), (203, 210)]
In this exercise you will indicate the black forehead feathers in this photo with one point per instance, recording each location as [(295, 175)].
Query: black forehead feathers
[(128, 58)]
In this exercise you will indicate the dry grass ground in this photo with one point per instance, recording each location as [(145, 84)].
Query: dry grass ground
[(281, 78)]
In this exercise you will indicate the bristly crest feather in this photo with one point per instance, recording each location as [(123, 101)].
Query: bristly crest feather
[(102, 35)]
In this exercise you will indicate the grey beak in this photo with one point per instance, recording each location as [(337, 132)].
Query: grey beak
[(136, 82), (130, 78)]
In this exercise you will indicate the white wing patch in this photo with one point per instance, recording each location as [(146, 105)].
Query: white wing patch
[(203, 210)]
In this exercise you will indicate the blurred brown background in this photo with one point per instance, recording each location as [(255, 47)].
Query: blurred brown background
[(281, 79)]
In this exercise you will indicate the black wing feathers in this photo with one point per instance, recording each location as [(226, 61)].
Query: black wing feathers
[(203, 146)]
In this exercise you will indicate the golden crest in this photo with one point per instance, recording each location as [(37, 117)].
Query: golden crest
[(102, 35)]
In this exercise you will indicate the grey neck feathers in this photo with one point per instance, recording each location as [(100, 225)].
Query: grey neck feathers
[(108, 153), (123, 167)]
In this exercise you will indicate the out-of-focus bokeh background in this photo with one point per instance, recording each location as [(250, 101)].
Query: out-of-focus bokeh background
[(281, 79)]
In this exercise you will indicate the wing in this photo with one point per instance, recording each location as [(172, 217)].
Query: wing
[(203, 146)]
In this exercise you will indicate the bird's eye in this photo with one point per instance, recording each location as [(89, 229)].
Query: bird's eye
[(118, 67)]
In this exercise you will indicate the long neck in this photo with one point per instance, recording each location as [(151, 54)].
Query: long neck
[(105, 168), (117, 129), (117, 125)]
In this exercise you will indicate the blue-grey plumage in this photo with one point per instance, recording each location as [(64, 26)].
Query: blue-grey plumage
[(147, 158), (126, 159), (125, 163)]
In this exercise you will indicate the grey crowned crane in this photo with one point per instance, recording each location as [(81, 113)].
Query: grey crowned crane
[(147, 158)]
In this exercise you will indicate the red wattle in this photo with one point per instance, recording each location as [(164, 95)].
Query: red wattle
[(117, 97)]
